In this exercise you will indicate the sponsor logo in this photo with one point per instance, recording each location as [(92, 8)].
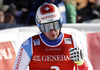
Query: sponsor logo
[(36, 42), (50, 58), (19, 59), (26, 42), (48, 17), (67, 40), (5, 53), (53, 49)]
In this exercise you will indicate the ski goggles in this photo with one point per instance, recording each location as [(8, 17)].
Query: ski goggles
[(55, 25)]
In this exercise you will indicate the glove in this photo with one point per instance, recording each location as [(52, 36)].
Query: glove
[(76, 55)]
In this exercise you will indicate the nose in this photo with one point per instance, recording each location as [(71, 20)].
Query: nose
[(52, 30)]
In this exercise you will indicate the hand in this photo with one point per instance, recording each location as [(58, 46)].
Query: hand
[(76, 55)]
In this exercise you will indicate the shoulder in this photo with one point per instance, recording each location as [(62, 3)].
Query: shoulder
[(67, 35), (28, 41), (35, 36), (71, 35)]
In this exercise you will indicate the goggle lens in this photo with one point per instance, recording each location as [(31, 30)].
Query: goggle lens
[(46, 27)]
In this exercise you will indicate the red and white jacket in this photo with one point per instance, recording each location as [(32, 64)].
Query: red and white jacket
[(40, 53)]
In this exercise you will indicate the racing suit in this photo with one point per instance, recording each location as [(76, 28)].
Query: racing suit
[(40, 53)]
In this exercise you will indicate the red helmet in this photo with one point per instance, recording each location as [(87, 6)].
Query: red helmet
[(48, 17)]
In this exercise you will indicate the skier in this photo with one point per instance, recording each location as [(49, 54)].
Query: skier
[(51, 49)]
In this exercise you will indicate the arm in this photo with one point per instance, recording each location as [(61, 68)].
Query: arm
[(83, 63), (24, 56), (77, 56)]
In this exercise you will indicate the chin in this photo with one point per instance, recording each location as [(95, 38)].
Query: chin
[(53, 38)]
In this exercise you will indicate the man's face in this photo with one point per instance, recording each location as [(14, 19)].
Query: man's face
[(52, 34)]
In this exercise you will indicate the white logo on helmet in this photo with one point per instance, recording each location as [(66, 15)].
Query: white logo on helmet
[(47, 8)]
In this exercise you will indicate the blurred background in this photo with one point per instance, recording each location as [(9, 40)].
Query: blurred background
[(81, 17), (16, 13)]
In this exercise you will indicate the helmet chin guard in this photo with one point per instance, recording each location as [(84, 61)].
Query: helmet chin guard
[(48, 17)]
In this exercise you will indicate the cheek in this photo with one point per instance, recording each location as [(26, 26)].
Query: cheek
[(58, 31), (46, 34)]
